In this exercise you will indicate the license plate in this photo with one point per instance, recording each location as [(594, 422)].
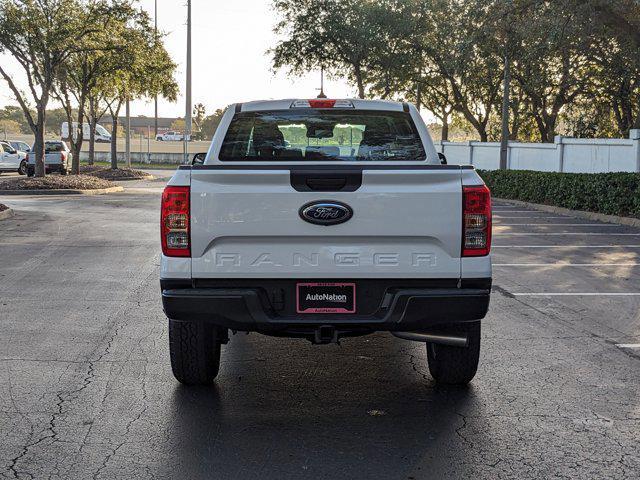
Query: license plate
[(326, 297)]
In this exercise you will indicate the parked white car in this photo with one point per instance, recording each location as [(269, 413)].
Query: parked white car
[(102, 135), (12, 160), (170, 137), (324, 219), (57, 158)]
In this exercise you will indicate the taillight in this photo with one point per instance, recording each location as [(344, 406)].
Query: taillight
[(63, 156), (174, 222), (476, 221)]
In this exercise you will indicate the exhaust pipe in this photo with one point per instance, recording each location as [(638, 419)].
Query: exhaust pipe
[(451, 340)]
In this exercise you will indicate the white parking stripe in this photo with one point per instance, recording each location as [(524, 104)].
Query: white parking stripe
[(565, 246), (591, 234), (518, 218), (561, 265), (628, 345), (498, 224), (516, 211), (594, 294)]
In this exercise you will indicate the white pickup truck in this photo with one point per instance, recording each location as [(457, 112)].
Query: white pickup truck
[(57, 158), (171, 137), (323, 219)]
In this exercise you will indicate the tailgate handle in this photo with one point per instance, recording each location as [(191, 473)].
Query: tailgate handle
[(319, 181)]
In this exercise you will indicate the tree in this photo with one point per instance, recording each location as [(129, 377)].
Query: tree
[(199, 113), (15, 114), (9, 126), (210, 124), (334, 34), (40, 36), (142, 67), (84, 69), (178, 125)]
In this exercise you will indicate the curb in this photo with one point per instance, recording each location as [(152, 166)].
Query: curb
[(97, 191), (600, 217), (6, 214)]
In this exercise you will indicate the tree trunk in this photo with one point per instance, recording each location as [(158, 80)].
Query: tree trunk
[(92, 132), (77, 143), (38, 147), (114, 141), (359, 81), (445, 129)]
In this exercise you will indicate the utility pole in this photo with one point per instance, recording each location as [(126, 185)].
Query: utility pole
[(155, 124), (148, 144), (504, 144), (187, 116)]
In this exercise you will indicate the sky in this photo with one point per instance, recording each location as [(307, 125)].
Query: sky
[(230, 39)]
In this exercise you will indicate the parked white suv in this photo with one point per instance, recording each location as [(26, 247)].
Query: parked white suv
[(325, 219)]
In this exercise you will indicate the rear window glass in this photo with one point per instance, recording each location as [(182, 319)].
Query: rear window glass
[(321, 135), (51, 147)]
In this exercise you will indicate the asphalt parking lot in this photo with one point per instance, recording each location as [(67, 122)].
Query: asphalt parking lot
[(86, 389)]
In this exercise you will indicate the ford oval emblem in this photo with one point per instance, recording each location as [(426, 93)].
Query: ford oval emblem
[(326, 212)]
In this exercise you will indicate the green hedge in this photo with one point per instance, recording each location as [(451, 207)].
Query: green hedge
[(609, 193)]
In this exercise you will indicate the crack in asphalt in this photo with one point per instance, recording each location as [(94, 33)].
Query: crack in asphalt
[(65, 396)]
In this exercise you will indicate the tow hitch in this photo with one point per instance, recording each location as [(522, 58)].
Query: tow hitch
[(324, 335)]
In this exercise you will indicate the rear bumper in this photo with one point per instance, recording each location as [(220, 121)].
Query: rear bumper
[(49, 167), (251, 308)]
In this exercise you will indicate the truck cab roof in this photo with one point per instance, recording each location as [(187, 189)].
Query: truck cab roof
[(351, 103)]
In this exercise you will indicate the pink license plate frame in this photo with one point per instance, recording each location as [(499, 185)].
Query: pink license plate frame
[(328, 309)]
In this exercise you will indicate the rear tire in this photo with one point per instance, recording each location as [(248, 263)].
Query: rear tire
[(195, 351), (31, 172), (456, 365), (22, 169)]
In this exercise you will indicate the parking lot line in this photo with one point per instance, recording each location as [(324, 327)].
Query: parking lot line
[(562, 265), (565, 246), (559, 224), (525, 234), (515, 211), (519, 218), (628, 345), (575, 294)]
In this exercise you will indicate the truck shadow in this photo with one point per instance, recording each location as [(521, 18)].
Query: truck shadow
[(364, 410)]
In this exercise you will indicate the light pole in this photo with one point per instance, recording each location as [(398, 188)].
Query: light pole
[(504, 144), (127, 143), (155, 122), (187, 116)]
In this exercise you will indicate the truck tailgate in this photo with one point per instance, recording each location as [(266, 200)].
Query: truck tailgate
[(246, 223)]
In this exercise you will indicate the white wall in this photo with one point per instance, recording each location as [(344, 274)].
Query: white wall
[(564, 155)]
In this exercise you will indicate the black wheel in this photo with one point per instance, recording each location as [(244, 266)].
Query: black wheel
[(195, 351), (63, 171), (456, 365), (31, 172), (22, 169)]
